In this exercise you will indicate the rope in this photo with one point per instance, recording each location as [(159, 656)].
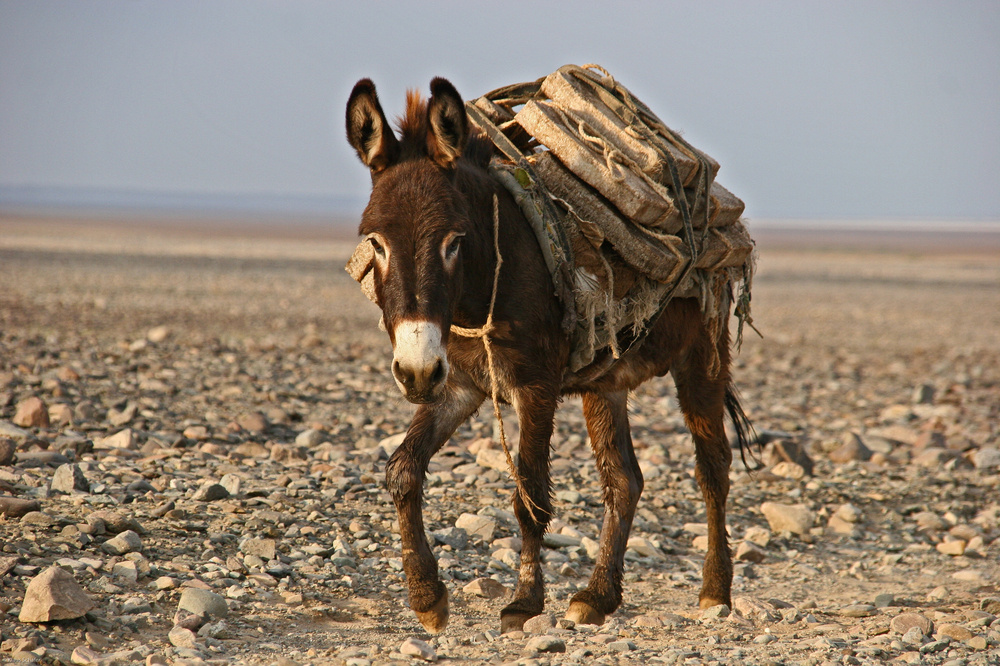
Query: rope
[(484, 332)]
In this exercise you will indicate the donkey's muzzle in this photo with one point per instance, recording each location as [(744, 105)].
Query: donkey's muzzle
[(420, 364)]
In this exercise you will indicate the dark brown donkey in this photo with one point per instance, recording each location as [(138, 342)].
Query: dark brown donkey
[(430, 223)]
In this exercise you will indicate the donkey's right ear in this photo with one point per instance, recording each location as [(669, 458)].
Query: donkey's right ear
[(368, 131)]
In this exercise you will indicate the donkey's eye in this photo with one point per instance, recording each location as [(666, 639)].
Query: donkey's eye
[(452, 248), (379, 250)]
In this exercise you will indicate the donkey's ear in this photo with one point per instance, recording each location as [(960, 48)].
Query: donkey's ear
[(447, 124), (368, 131)]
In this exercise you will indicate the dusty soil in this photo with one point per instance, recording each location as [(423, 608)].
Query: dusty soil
[(248, 357)]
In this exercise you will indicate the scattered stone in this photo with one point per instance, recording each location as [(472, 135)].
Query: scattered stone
[(31, 413), (182, 638), (906, 621), (125, 542), (7, 450), (858, 610), (885, 600), (114, 522), (546, 644), (540, 624), (712, 612), (789, 470), (955, 632), (755, 609), (990, 605), (310, 438), (265, 549), (748, 551), (414, 647), (15, 507), (85, 655), (210, 491), (986, 458), (158, 334), (852, 448), (203, 602), (954, 548), (124, 439), (482, 526), (794, 518), (487, 588), (254, 422), (787, 450), (68, 479), (52, 595), (621, 646)]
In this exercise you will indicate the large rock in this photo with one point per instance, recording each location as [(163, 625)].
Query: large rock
[(484, 526), (853, 448), (54, 595), (15, 507), (794, 518)]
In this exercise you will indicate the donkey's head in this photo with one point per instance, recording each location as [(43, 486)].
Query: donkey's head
[(415, 222)]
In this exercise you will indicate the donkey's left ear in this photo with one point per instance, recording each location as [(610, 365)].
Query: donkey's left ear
[(447, 124), (368, 131)]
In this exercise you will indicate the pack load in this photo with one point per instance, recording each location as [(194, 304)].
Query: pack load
[(627, 213)]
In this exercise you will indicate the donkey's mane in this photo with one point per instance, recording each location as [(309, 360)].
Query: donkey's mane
[(413, 125)]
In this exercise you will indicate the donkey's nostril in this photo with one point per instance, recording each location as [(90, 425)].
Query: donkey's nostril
[(438, 375), (404, 377)]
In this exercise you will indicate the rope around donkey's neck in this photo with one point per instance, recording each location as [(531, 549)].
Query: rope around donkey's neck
[(484, 332)]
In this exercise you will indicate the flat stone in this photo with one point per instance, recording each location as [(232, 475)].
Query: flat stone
[(487, 588), (755, 609), (794, 518), (252, 422), (414, 647), (265, 549), (126, 542), (85, 655), (885, 600), (492, 459), (8, 429), (788, 450), (546, 644), (906, 621), (15, 507), (955, 632), (483, 526), (210, 491), (68, 479), (52, 595), (621, 646), (789, 470), (858, 610), (203, 602)]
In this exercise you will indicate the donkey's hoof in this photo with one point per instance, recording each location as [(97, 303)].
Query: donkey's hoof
[(708, 602), (513, 622), (435, 618), (583, 613)]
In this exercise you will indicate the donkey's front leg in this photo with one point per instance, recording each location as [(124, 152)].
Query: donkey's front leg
[(404, 476), (535, 413)]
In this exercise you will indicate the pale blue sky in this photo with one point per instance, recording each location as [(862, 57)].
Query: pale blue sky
[(814, 109)]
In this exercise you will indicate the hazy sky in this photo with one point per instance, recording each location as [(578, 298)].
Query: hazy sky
[(814, 109)]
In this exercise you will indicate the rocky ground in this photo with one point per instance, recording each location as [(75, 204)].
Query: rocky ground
[(194, 428)]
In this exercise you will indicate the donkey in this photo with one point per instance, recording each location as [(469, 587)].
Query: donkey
[(430, 222)]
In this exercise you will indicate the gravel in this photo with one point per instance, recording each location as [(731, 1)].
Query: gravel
[(214, 481)]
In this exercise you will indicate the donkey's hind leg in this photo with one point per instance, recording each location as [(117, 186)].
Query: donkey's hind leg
[(701, 391), (535, 413), (607, 424), (431, 427)]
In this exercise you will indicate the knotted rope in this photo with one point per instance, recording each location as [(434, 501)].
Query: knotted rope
[(484, 332)]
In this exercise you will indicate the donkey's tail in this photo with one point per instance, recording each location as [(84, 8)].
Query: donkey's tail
[(745, 433)]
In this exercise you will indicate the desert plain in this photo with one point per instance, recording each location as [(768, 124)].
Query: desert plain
[(195, 418)]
